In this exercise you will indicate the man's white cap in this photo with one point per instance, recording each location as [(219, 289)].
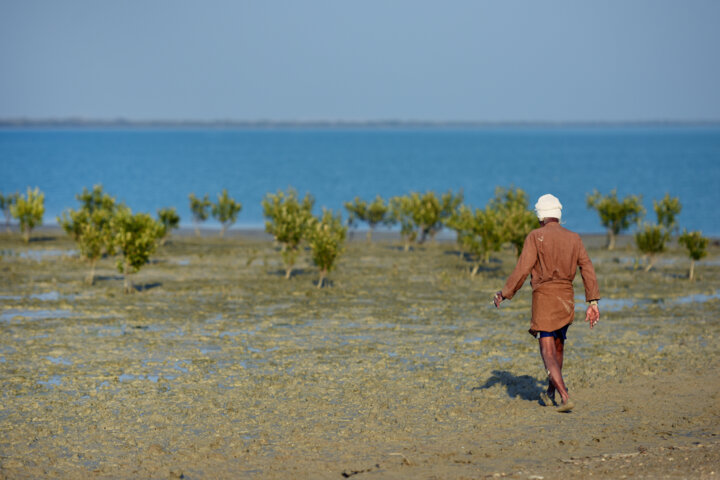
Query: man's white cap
[(548, 206)]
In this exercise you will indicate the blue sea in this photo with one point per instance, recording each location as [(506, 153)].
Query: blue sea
[(151, 168)]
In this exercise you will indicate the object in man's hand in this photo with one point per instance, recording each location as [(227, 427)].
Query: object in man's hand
[(498, 298)]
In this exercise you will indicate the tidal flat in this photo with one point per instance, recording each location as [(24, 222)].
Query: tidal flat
[(219, 367)]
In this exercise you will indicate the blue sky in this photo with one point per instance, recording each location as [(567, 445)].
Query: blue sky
[(504, 60)]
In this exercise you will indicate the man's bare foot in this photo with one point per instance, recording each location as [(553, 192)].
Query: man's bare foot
[(547, 399), (566, 406)]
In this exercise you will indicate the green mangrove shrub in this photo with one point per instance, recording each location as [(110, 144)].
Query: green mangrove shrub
[(401, 212), (479, 233), (6, 203), (432, 212), (95, 199), (288, 218), (91, 226), (226, 211), (422, 215), (374, 213), (426, 209), (326, 236), (29, 210), (651, 240), (616, 215), (200, 210), (357, 211), (169, 220), (461, 223), (696, 246), (136, 238), (510, 208), (666, 210)]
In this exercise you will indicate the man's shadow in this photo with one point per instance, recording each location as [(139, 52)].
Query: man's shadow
[(523, 386)]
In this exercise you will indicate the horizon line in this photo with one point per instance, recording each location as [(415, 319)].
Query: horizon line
[(85, 122)]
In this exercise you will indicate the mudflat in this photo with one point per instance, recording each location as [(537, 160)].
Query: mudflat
[(219, 367)]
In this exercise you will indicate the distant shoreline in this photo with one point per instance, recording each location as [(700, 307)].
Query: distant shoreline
[(331, 124)]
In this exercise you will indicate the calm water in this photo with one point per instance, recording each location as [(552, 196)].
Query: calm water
[(153, 168)]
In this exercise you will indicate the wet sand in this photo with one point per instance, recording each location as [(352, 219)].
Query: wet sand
[(218, 367)]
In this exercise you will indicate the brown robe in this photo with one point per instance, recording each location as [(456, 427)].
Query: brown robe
[(552, 255)]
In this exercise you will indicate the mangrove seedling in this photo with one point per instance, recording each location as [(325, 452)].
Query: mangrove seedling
[(357, 211), (479, 233), (288, 219), (91, 226), (401, 212), (373, 214), (510, 207), (326, 236), (225, 211), (666, 210), (169, 220), (95, 199), (6, 202), (651, 240), (200, 208), (696, 246), (29, 211), (136, 238), (616, 215)]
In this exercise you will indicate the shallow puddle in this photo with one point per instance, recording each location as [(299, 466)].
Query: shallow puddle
[(17, 314), (39, 255), (617, 304)]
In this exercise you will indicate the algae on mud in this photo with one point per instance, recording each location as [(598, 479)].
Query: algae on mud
[(219, 367)]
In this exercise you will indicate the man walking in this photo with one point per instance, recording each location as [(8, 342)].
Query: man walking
[(551, 256)]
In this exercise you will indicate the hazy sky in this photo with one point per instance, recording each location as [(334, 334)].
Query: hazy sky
[(501, 60)]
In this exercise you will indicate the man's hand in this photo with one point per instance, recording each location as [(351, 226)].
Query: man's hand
[(592, 315), (498, 298)]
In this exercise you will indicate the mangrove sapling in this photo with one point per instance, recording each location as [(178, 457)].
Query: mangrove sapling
[(666, 210), (616, 215), (29, 211), (377, 213), (91, 226), (6, 202), (401, 212), (288, 219), (480, 233), (461, 223), (487, 226), (425, 213), (72, 221), (696, 246), (169, 220), (373, 214), (200, 209), (357, 212), (326, 236), (449, 204), (95, 237), (651, 240), (136, 238), (430, 212), (510, 207), (226, 211), (95, 199)]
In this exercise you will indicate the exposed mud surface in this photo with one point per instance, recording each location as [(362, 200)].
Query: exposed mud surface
[(218, 367)]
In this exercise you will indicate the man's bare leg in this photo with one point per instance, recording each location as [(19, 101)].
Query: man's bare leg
[(553, 364), (559, 348)]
